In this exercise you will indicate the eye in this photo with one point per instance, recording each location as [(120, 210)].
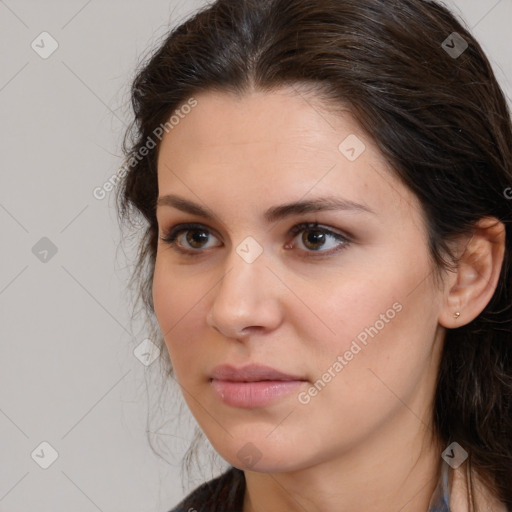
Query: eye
[(315, 238), (194, 240), (191, 239)]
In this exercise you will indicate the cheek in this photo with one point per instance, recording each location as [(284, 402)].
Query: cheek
[(354, 303), (386, 350), (372, 367), (179, 311), (386, 317)]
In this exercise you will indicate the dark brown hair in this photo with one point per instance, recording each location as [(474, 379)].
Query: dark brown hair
[(440, 119)]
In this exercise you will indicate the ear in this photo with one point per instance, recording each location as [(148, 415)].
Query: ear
[(469, 289)]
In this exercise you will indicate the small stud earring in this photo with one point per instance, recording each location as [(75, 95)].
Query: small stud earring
[(457, 314)]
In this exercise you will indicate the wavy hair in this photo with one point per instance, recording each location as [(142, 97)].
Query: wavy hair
[(440, 119)]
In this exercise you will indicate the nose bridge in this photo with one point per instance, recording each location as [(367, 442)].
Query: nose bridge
[(245, 296), (246, 272)]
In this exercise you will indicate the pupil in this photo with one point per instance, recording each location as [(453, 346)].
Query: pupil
[(194, 237), (315, 237)]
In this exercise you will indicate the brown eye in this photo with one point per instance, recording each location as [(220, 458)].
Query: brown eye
[(196, 238), (188, 238), (313, 239)]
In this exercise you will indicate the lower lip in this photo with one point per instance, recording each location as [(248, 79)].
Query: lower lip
[(253, 394)]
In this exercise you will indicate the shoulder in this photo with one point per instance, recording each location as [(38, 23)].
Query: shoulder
[(226, 492)]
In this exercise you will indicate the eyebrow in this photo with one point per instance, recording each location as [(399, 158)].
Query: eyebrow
[(275, 212)]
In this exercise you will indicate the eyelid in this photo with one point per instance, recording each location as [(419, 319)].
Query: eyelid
[(344, 238), (302, 226), (169, 237)]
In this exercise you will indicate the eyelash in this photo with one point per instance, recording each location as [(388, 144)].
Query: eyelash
[(170, 237)]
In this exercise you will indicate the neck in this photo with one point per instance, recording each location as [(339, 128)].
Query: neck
[(400, 474)]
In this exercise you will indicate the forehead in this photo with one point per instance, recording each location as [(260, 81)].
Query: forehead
[(268, 143), (223, 120)]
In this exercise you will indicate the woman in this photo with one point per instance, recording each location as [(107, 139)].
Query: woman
[(325, 186)]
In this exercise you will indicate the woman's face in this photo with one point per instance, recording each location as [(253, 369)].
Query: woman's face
[(348, 308)]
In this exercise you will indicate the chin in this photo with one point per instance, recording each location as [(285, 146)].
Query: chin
[(262, 454), (266, 465)]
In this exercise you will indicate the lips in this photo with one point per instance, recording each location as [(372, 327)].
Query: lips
[(252, 386), (251, 373)]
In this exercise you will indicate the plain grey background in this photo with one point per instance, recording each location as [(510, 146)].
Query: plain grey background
[(68, 374)]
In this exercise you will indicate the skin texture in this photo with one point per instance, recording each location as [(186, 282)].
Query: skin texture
[(364, 442)]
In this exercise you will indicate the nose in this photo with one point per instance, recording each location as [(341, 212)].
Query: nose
[(246, 300)]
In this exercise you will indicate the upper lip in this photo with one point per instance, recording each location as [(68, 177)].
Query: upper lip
[(250, 373)]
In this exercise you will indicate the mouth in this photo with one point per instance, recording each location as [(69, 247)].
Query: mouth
[(251, 373), (252, 386)]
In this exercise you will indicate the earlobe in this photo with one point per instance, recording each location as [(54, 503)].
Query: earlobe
[(471, 287)]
